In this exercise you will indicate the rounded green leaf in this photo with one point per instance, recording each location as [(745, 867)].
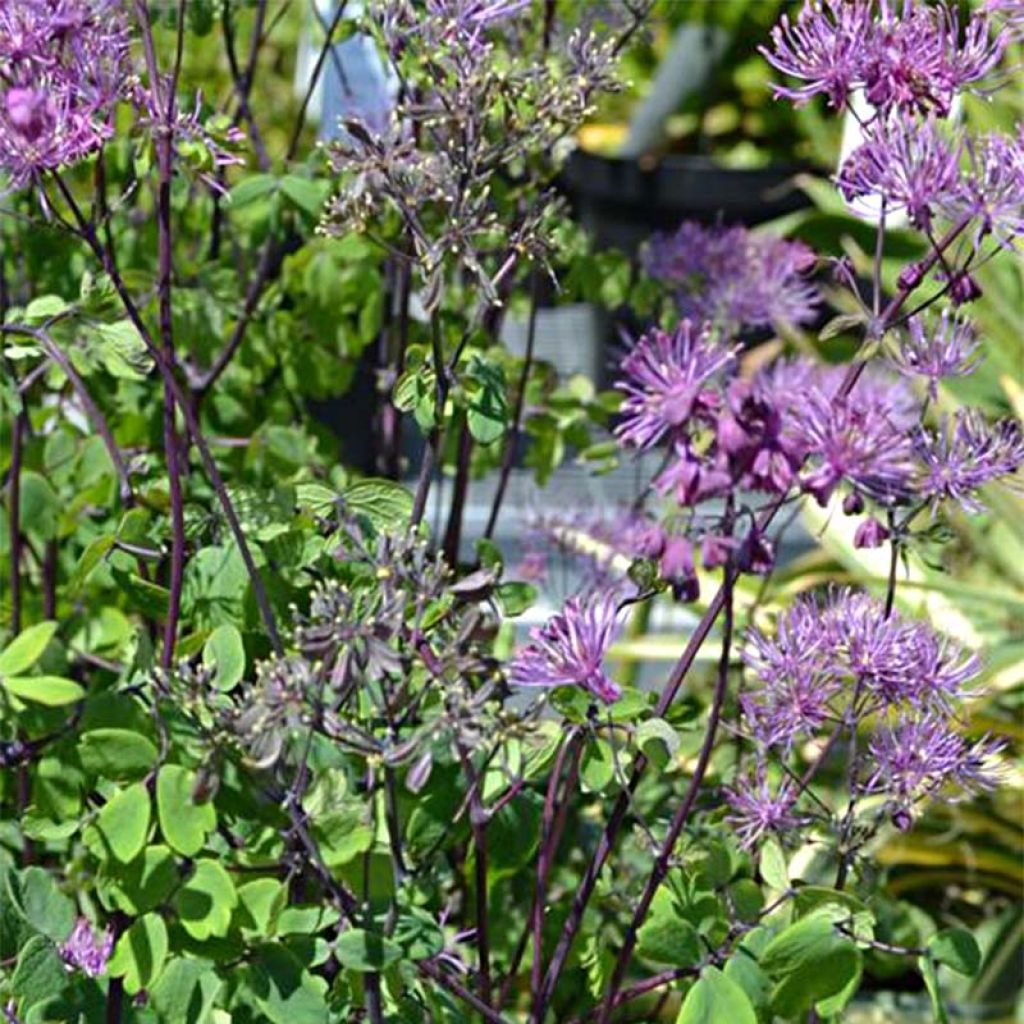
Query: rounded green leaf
[(206, 900), (362, 950), (51, 691), (259, 903), (34, 894), (124, 821), (140, 953), (957, 949), (26, 648), (225, 652), (39, 973), (184, 823), (716, 999), (116, 753)]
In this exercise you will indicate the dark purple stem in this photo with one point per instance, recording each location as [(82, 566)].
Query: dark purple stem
[(664, 859), (509, 457)]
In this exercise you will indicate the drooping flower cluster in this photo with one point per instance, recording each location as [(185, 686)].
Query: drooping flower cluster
[(65, 66), (85, 951), (734, 278), (461, 119), (843, 662), (911, 57), (569, 649)]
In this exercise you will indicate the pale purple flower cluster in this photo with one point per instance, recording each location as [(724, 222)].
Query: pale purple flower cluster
[(844, 660), (85, 951), (756, 808), (65, 66), (569, 649), (948, 348), (734, 278), (918, 756), (963, 455), (904, 56), (458, 27)]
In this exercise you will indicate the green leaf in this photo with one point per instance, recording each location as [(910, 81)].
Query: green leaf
[(773, 865), (140, 953), (118, 754), (957, 949), (931, 983), (146, 597), (46, 307), (747, 898), (34, 894), (362, 950), (385, 503), (251, 188), (658, 741), (598, 766), (809, 961), (143, 884), (515, 598), (184, 823), (715, 999), (307, 195), (285, 991), (184, 992), (419, 935), (343, 834), (666, 937), (124, 821), (26, 648), (225, 651), (259, 903), (39, 973), (50, 691), (206, 900)]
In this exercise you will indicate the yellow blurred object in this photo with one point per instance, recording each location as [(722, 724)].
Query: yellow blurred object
[(602, 138)]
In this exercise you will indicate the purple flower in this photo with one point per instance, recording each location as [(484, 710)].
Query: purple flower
[(823, 48), (666, 380), (84, 951), (733, 278), (992, 193), (906, 163), (916, 61), (676, 566), (569, 649), (916, 757), (849, 441), (1010, 12), (757, 808), (870, 534), (65, 66), (692, 478), (949, 349), (963, 455)]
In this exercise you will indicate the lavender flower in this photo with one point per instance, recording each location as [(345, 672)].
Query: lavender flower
[(822, 48), (914, 758), (84, 951), (963, 455), (870, 534), (915, 62), (757, 808), (949, 349), (733, 278), (906, 163), (666, 380), (569, 649), (992, 193), (692, 478), (65, 67), (850, 442)]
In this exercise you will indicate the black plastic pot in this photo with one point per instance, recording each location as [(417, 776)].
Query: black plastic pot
[(622, 201)]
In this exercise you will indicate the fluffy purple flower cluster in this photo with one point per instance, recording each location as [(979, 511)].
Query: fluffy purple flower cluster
[(569, 649), (733, 278), (65, 66), (84, 951), (904, 56), (788, 426), (843, 662)]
